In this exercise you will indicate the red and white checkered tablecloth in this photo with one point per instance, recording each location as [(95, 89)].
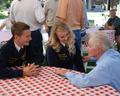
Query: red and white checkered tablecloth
[(47, 83)]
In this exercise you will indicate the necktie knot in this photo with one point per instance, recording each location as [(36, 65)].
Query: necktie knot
[(21, 50)]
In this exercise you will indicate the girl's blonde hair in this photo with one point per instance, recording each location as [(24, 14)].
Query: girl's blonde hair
[(54, 41)]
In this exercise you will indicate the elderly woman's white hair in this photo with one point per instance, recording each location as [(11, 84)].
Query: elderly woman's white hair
[(99, 39)]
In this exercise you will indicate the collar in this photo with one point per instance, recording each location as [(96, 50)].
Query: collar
[(17, 47), (63, 44), (105, 54)]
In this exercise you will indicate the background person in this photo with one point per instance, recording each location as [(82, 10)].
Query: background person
[(113, 23), (62, 51), (14, 53), (107, 65), (50, 14), (72, 13)]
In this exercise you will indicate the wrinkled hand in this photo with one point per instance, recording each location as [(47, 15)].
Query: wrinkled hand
[(30, 70), (61, 71)]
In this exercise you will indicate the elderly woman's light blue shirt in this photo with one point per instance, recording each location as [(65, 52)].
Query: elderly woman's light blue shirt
[(107, 71)]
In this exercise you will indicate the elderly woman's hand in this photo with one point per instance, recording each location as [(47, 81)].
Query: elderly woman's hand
[(61, 71)]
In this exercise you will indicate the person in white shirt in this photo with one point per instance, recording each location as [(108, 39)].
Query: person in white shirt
[(50, 9)]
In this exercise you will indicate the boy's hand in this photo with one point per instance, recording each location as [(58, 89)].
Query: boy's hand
[(30, 70)]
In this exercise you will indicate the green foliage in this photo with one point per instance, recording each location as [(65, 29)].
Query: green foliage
[(4, 5), (2, 16), (90, 66)]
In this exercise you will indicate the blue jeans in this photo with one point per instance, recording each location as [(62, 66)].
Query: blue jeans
[(78, 37)]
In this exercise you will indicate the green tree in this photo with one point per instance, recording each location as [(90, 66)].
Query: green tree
[(4, 4)]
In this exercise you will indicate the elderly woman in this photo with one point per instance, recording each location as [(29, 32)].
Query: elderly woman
[(107, 65), (62, 51)]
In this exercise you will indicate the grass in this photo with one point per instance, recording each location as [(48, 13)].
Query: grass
[(90, 64), (88, 70)]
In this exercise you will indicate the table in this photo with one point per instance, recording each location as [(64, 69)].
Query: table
[(47, 83), (110, 33)]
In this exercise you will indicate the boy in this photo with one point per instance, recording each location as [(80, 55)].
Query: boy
[(14, 53)]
